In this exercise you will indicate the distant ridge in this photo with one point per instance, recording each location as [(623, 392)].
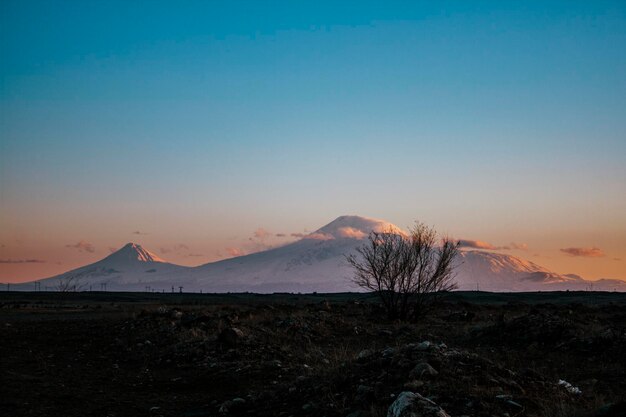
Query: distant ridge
[(316, 262)]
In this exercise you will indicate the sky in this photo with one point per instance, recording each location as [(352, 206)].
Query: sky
[(202, 130)]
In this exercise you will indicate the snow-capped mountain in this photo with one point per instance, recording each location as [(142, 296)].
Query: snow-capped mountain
[(316, 262), (491, 271), (131, 268)]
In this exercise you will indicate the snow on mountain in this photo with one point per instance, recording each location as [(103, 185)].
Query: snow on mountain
[(129, 254), (131, 268), (355, 227), (314, 263)]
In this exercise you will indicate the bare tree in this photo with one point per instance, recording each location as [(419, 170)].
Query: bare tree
[(408, 272), (70, 283)]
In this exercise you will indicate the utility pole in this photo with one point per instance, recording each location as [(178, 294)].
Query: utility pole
[(180, 290)]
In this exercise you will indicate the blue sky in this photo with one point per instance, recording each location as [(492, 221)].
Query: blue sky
[(201, 121)]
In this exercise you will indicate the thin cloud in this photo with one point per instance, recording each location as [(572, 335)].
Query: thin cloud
[(319, 236), (519, 246), (479, 244), (235, 251), (298, 235), (137, 232), (181, 247), (22, 261), (617, 259), (195, 254), (82, 246), (592, 252), (351, 232), (261, 233), (260, 240), (476, 244), (280, 235)]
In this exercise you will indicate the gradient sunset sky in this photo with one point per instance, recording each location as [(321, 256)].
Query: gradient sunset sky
[(203, 130)]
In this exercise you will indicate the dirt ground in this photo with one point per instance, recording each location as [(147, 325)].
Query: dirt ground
[(477, 354)]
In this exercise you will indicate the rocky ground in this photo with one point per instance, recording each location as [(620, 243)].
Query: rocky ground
[(477, 354)]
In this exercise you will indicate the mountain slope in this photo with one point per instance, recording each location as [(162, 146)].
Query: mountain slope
[(131, 268), (317, 263), (314, 263)]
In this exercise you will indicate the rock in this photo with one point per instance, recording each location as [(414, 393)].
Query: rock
[(410, 404), (388, 352), (359, 413), (230, 405), (230, 336), (225, 407), (364, 394), (307, 407), (414, 385), (425, 345), (514, 404), (569, 387), (422, 370), (611, 410), (364, 354)]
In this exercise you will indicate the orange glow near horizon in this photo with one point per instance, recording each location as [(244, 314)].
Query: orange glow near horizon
[(22, 260)]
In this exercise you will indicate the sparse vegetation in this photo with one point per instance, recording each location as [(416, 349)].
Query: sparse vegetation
[(407, 272), (124, 354), (70, 283)]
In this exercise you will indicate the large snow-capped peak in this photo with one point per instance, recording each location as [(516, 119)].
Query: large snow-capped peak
[(130, 253), (353, 227), (315, 263)]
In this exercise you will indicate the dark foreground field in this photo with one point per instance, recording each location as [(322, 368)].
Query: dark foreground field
[(108, 354)]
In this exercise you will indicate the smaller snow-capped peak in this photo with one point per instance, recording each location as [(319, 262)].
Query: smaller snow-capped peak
[(497, 262), (134, 252), (354, 227)]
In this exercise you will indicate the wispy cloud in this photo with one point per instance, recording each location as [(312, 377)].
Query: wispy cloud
[(479, 244), (138, 232), (280, 235), (298, 235), (235, 251), (519, 246), (476, 244), (21, 261), (261, 233), (592, 252), (181, 247), (319, 236), (82, 246), (351, 233)]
